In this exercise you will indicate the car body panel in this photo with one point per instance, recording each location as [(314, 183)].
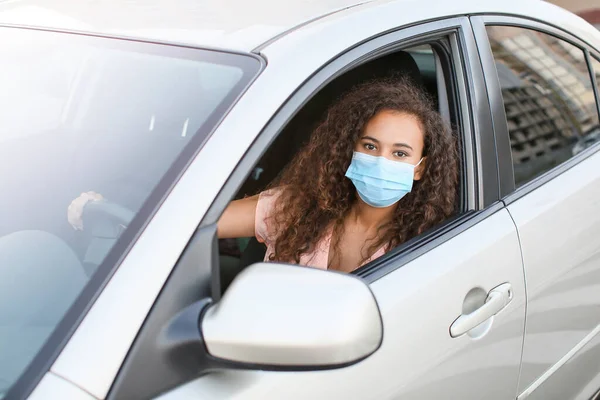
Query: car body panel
[(244, 26), (562, 268), (224, 24), (418, 359), (574, 376), (53, 386)]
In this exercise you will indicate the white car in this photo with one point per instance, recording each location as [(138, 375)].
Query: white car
[(171, 109)]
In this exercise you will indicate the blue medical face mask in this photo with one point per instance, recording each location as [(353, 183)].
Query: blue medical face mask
[(380, 182)]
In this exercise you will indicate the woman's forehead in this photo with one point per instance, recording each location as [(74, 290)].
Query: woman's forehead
[(391, 127)]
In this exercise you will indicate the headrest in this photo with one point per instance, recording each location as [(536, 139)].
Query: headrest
[(398, 64), (393, 65)]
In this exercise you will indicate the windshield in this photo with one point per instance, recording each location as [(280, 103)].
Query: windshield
[(80, 114)]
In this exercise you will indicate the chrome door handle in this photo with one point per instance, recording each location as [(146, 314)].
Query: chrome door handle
[(497, 299)]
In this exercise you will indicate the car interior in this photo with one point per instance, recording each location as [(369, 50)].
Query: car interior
[(420, 64)]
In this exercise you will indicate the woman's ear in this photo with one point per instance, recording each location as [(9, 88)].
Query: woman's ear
[(420, 169)]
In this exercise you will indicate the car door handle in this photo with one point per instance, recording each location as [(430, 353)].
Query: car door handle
[(497, 299)]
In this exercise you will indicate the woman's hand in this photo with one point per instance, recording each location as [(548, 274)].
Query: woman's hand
[(75, 210)]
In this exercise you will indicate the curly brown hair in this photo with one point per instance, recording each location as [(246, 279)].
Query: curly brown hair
[(315, 194)]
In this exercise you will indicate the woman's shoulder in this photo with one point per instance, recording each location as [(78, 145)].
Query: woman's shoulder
[(265, 208), (269, 197)]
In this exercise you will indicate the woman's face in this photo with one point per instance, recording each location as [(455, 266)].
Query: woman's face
[(395, 136)]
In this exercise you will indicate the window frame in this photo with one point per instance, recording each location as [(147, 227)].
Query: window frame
[(508, 191), (480, 163)]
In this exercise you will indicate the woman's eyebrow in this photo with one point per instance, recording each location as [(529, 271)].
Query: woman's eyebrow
[(370, 138), (402, 145), (395, 144)]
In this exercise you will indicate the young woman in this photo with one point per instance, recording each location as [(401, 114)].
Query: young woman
[(380, 169)]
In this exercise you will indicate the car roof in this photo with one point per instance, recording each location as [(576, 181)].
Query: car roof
[(233, 24), (239, 25)]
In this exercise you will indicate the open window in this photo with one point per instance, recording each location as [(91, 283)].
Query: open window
[(427, 64)]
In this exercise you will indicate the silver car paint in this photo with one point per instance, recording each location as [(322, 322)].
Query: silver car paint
[(294, 318), (418, 359), (54, 387), (242, 25), (559, 228), (239, 25), (94, 355)]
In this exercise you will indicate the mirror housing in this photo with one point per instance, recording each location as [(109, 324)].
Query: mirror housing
[(295, 318)]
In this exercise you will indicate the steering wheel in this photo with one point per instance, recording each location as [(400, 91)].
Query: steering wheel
[(105, 221)]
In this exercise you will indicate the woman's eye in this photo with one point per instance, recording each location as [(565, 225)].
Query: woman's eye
[(370, 146), (400, 154)]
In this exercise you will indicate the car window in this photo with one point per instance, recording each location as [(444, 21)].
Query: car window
[(548, 97), (86, 114), (418, 63)]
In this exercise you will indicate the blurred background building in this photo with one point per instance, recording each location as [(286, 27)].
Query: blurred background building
[(548, 96), (587, 9)]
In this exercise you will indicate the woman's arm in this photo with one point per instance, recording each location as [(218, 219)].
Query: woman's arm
[(238, 219)]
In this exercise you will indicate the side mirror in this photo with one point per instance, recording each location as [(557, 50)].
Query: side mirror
[(296, 318)]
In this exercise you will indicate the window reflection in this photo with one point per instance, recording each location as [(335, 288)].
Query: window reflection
[(548, 96)]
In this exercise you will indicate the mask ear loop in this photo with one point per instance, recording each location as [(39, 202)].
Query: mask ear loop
[(417, 164)]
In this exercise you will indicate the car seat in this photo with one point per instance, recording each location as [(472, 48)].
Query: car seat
[(40, 278)]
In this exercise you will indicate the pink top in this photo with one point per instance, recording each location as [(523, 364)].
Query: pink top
[(318, 258)]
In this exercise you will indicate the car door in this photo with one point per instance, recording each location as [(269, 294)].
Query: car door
[(551, 125), (419, 302), (452, 301)]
